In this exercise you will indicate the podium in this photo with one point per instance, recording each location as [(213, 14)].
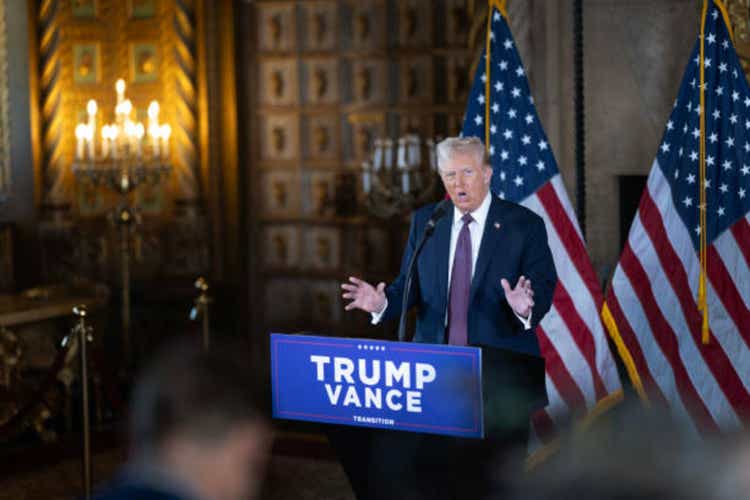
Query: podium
[(437, 461)]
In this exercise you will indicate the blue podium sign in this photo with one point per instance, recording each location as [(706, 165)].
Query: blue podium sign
[(412, 387)]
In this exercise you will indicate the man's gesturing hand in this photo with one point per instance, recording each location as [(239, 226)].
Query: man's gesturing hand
[(363, 295), (520, 298)]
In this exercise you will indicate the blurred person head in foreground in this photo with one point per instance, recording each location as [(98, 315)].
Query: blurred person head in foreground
[(634, 453), (196, 429)]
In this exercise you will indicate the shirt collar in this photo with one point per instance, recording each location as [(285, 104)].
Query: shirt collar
[(479, 215)]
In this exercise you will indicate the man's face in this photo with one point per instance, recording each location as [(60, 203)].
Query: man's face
[(466, 180)]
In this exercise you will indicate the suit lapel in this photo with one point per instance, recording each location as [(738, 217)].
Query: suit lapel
[(491, 236), (442, 241)]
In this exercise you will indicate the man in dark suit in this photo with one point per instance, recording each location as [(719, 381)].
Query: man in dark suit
[(197, 430), (462, 281)]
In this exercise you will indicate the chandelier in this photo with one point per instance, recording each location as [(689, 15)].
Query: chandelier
[(128, 152), (398, 179)]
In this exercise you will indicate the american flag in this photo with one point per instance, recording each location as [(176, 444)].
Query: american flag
[(652, 303), (581, 373)]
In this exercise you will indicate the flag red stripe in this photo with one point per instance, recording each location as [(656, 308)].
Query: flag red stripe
[(558, 372), (666, 338), (581, 334), (741, 232), (570, 238), (634, 347), (713, 355), (728, 294)]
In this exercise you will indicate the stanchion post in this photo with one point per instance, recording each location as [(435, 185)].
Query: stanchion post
[(84, 337), (200, 306)]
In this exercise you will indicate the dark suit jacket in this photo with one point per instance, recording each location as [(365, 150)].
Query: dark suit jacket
[(514, 244), (126, 491)]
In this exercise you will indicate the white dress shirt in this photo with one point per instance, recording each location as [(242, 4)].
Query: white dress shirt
[(476, 230)]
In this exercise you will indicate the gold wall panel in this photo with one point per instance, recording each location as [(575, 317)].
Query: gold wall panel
[(84, 47)]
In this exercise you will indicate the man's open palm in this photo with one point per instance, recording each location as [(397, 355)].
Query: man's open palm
[(363, 295)]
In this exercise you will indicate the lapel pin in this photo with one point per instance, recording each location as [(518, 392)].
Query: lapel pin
[(497, 225)]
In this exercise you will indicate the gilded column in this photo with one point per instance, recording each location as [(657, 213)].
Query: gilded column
[(55, 185), (182, 88)]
